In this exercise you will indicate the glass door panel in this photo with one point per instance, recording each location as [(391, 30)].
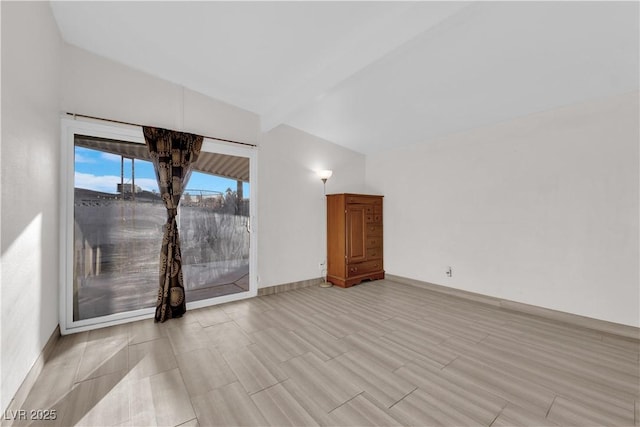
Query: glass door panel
[(118, 220), (214, 236)]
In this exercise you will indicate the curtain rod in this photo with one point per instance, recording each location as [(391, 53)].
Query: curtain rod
[(138, 125)]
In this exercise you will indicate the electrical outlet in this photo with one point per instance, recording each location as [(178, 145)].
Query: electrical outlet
[(449, 272)]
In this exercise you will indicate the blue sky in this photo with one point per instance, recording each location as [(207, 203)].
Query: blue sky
[(100, 171)]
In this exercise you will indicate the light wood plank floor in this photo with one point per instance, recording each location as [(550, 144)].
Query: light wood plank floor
[(380, 353)]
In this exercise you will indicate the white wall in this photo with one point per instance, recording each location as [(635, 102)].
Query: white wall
[(31, 49), (541, 210), (96, 86), (292, 205)]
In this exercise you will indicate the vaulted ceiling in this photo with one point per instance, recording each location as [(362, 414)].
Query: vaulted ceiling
[(372, 75)]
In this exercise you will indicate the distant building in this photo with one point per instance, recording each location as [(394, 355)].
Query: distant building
[(127, 188)]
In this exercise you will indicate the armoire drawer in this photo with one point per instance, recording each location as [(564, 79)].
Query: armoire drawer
[(374, 218), (374, 242), (374, 253), (365, 200), (374, 230), (363, 268)]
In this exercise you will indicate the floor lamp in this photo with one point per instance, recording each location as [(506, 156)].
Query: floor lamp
[(324, 176)]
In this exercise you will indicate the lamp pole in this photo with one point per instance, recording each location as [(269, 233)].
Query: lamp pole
[(324, 176)]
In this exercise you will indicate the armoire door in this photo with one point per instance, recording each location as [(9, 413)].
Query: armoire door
[(356, 233)]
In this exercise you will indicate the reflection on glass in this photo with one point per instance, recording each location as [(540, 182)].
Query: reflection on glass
[(214, 238), (117, 234)]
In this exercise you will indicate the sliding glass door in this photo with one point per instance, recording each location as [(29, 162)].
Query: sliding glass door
[(113, 219)]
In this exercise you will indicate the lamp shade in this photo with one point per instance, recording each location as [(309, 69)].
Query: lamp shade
[(325, 174)]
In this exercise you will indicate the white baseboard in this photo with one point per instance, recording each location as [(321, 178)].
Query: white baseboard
[(276, 289), (625, 331), (28, 382)]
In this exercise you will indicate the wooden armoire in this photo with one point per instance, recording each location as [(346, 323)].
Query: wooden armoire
[(354, 239)]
